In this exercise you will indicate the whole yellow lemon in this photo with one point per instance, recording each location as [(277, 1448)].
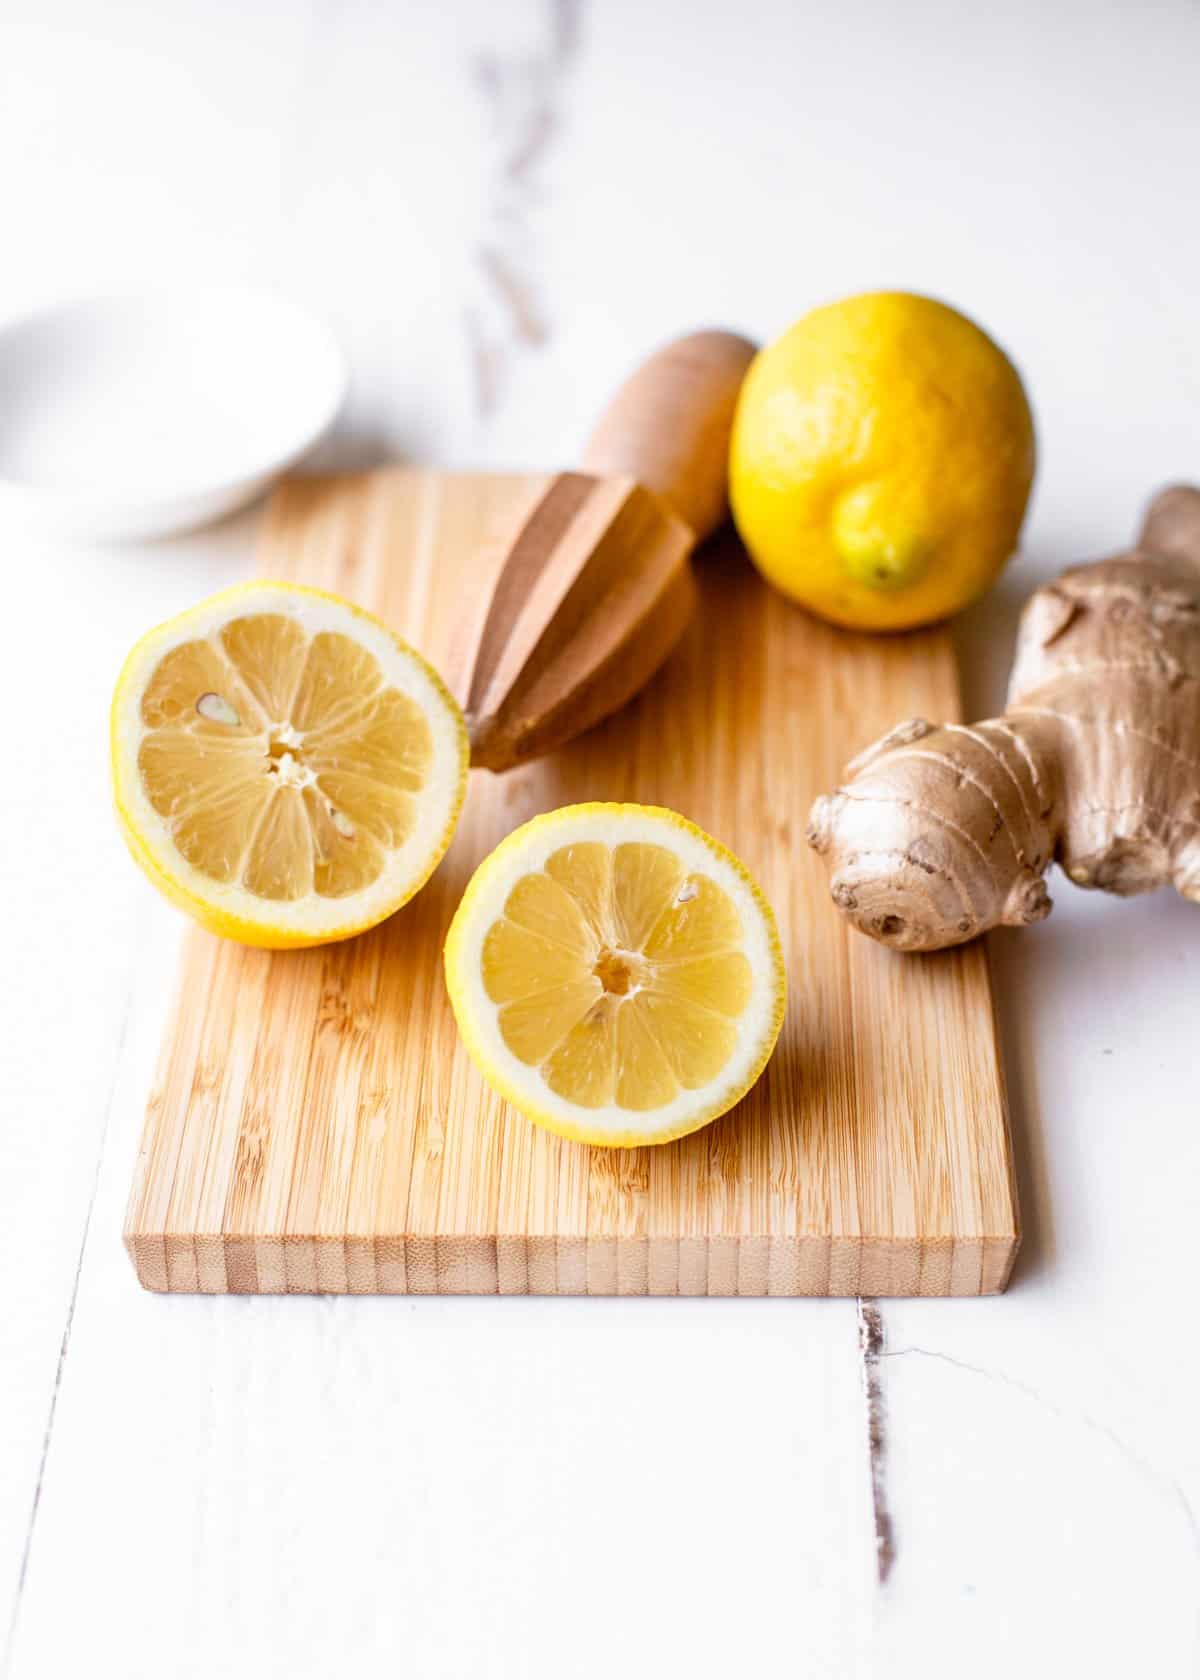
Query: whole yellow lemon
[(882, 456)]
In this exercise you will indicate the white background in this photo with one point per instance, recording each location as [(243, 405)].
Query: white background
[(498, 207)]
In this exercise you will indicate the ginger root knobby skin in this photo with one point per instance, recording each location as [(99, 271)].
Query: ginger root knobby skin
[(941, 833)]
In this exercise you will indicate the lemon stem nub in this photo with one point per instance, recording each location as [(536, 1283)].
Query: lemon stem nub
[(876, 551)]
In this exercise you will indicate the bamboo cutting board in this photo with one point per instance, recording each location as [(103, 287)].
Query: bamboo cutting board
[(317, 1126)]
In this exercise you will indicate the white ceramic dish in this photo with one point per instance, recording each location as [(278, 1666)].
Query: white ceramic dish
[(136, 416)]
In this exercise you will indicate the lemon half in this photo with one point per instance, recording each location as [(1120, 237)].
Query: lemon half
[(616, 974), (284, 767)]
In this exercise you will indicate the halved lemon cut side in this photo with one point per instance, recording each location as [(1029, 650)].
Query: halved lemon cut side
[(616, 974), (284, 767)]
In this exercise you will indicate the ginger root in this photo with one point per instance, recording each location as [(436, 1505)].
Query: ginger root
[(942, 833)]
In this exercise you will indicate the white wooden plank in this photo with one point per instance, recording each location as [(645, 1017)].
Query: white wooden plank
[(144, 145)]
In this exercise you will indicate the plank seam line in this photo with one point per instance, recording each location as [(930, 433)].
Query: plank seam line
[(872, 1351), (27, 1549)]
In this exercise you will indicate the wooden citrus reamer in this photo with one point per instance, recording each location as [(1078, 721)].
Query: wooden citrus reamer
[(583, 606)]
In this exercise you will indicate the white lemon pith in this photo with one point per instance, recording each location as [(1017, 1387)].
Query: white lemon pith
[(616, 974), (284, 767)]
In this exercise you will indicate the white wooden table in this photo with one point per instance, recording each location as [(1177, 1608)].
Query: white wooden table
[(498, 208)]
